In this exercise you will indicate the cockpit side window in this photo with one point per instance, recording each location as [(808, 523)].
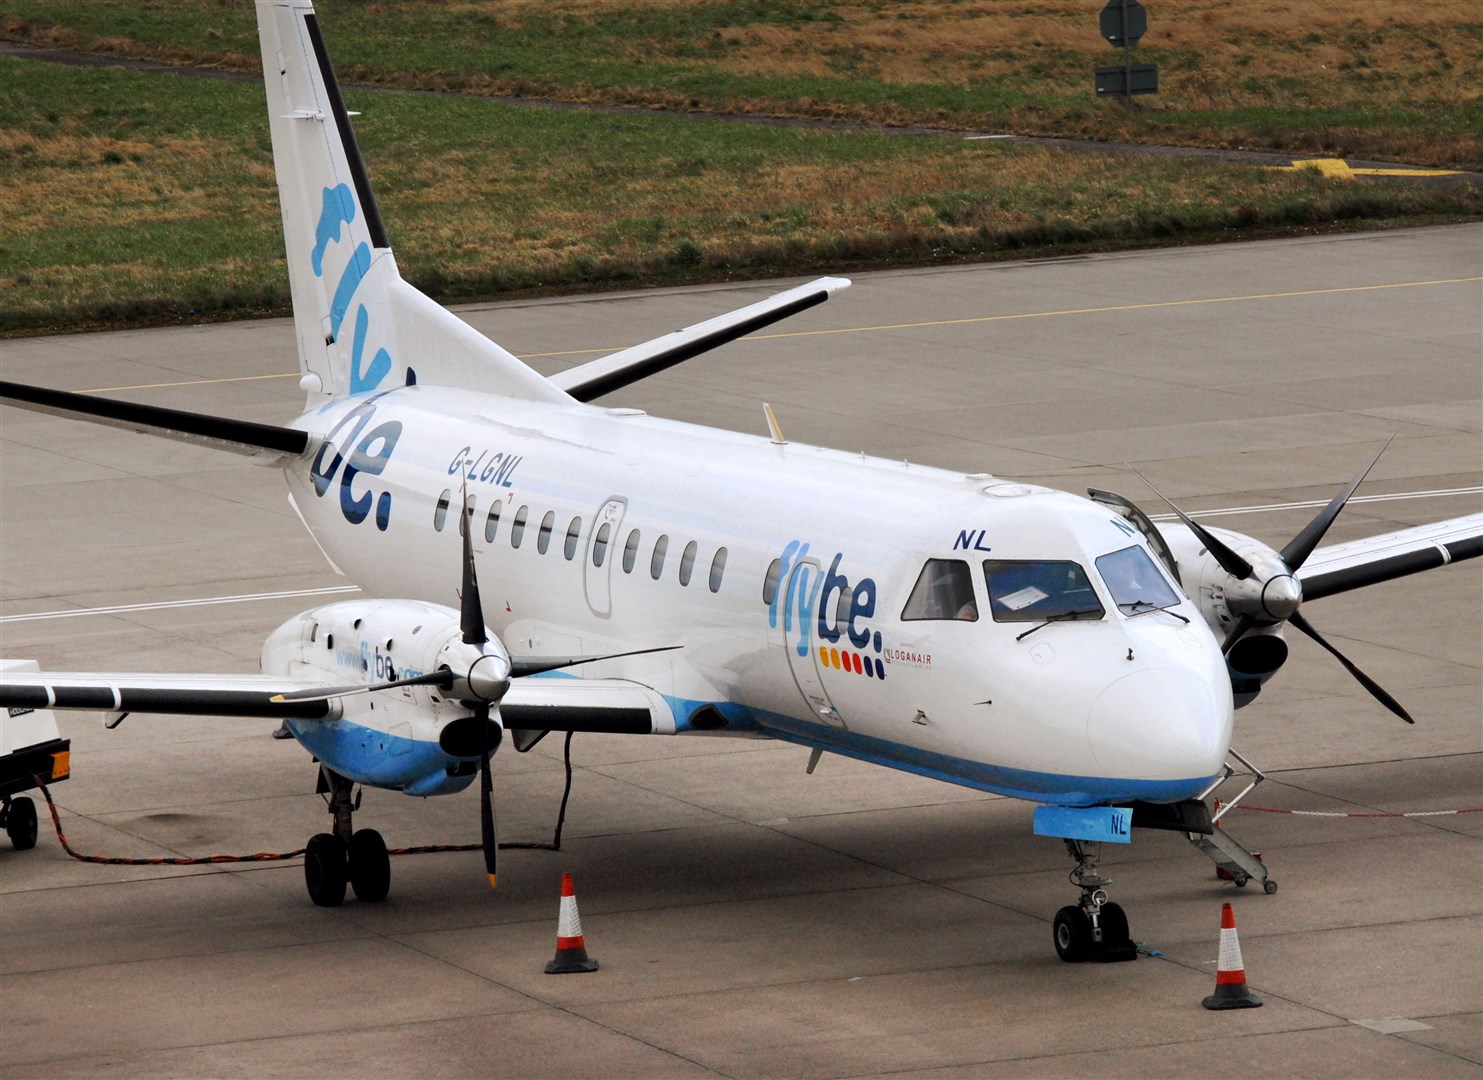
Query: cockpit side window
[(1135, 582), (1036, 591), (944, 590)]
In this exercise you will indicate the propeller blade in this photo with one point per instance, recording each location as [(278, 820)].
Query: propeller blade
[(1243, 624), (1230, 562), (431, 678), (1301, 546), (540, 665), (486, 802), (470, 609), (1375, 689)]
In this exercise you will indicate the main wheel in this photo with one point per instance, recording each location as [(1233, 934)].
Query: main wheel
[(324, 870), (20, 823), (1114, 923), (370, 868), (1073, 935)]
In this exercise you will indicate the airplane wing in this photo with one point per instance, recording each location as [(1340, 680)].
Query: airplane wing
[(614, 706), (196, 695), (1339, 568), (619, 369)]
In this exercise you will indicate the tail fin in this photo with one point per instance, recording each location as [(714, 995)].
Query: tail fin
[(357, 322)]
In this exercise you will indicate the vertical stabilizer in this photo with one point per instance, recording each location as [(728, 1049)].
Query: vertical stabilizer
[(359, 326)]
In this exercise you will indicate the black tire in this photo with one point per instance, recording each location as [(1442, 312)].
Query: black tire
[(20, 823), (1269, 886), (1114, 923), (324, 870), (1072, 933), (370, 868)]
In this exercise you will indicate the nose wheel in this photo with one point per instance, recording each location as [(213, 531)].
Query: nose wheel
[(1094, 928)]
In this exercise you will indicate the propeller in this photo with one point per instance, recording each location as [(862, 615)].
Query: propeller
[(431, 678), (488, 679), (1265, 590)]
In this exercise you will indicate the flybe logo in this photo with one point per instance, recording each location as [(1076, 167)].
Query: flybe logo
[(351, 451), (338, 209), (827, 603)]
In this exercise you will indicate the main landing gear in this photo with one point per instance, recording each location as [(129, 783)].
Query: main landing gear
[(1095, 928), (346, 856)]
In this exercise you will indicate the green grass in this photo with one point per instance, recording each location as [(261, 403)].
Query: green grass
[(130, 197), (1389, 79)]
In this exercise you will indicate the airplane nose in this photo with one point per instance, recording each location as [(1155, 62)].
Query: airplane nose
[(1159, 724)]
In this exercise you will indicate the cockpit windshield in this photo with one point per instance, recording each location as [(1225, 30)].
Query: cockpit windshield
[(1039, 591), (1135, 582), (944, 590)]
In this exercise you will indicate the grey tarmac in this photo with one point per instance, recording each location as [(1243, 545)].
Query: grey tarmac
[(752, 921)]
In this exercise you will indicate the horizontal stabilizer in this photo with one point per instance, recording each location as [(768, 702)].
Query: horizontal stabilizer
[(619, 369), (219, 433), (1357, 563)]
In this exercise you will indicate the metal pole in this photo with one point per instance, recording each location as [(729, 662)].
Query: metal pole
[(1127, 57)]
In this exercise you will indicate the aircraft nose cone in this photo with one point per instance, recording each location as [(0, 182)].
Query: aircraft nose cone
[(1160, 725), (1281, 596)]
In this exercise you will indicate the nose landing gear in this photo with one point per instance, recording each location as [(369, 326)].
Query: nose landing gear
[(1095, 928)]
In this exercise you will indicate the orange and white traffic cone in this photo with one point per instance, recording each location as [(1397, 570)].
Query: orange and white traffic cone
[(571, 949), (1230, 974)]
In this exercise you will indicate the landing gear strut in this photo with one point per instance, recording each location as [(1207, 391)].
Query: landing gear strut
[(1095, 928), (346, 856)]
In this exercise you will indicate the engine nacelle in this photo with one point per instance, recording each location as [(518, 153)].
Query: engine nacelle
[(423, 739), (1267, 598)]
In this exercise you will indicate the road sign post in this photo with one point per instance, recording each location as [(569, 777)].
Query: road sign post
[(1122, 23)]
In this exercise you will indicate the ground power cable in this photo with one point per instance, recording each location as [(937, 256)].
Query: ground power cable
[(554, 844)]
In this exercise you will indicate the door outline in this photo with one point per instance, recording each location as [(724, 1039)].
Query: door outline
[(597, 581), (798, 625)]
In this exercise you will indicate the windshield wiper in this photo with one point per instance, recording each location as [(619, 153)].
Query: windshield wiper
[(1060, 616), (1132, 607)]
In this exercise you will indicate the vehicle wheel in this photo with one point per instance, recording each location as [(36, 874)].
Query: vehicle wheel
[(1269, 886), (324, 870), (370, 868), (1241, 880), (20, 824), (1073, 935), (1114, 922)]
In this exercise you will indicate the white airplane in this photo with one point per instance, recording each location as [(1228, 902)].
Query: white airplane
[(649, 576)]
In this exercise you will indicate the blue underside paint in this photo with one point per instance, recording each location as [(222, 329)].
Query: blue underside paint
[(382, 760), (373, 757), (1051, 788)]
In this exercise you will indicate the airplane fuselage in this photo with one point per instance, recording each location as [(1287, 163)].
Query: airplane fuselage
[(797, 579)]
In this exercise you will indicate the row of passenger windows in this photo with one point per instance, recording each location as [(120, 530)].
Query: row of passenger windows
[(601, 542)]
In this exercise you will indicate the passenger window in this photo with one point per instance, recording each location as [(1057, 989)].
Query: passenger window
[(656, 564), (944, 590), (543, 538), (630, 551), (1036, 591), (517, 530), (842, 609), (600, 544), (770, 582), (440, 515), (718, 567), (573, 531), (687, 562), (491, 524)]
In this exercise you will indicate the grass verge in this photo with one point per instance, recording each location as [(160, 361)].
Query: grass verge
[(1388, 79), (135, 198)]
